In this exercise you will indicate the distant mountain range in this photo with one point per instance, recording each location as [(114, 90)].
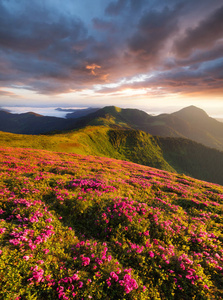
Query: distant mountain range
[(181, 142), (31, 123), (77, 113), (191, 123)]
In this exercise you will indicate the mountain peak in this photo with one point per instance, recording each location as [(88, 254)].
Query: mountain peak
[(31, 113), (191, 112), (112, 109)]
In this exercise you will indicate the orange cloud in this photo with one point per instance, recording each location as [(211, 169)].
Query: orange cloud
[(105, 77), (8, 94), (92, 68)]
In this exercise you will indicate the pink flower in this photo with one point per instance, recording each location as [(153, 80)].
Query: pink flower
[(108, 281), (2, 230), (114, 276), (40, 262), (151, 254), (49, 220), (37, 275), (26, 257), (109, 258), (46, 251), (85, 261)]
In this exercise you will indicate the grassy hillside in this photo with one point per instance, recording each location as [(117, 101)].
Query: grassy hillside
[(128, 145), (170, 154), (77, 227), (191, 122), (193, 159)]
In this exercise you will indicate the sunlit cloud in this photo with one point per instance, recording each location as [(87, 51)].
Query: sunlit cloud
[(92, 68), (115, 52)]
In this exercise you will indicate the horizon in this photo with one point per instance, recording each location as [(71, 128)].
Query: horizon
[(54, 112), (158, 56)]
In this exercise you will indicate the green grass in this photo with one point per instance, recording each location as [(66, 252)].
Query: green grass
[(170, 154), (127, 145)]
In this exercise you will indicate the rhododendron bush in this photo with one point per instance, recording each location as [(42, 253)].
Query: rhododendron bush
[(75, 227)]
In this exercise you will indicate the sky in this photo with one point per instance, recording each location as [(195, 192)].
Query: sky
[(155, 55)]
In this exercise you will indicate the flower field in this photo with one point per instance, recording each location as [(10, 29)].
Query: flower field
[(84, 227)]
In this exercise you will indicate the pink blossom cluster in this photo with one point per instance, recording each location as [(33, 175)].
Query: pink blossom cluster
[(127, 281), (37, 275)]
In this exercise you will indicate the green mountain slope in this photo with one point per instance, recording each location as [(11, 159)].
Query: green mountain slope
[(191, 123), (193, 159), (170, 154), (129, 145)]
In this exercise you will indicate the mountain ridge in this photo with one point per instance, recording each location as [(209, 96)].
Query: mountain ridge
[(170, 154)]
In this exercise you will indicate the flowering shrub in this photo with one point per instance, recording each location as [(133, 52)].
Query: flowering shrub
[(74, 227)]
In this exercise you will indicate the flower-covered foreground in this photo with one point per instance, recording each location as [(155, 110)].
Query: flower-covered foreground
[(75, 227)]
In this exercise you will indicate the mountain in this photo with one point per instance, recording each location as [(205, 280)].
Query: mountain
[(31, 123), (191, 123), (170, 154), (78, 113), (118, 117), (191, 158), (84, 227)]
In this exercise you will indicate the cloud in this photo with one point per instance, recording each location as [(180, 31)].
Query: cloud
[(198, 56), (52, 48), (119, 7), (116, 7), (34, 28), (153, 31), (203, 36), (41, 44), (102, 25), (6, 93), (92, 68), (208, 77)]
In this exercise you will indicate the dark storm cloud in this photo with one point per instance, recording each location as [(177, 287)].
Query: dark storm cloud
[(51, 49), (116, 7), (204, 35), (154, 29), (103, 25), (199, 56), (34, 28), (39, 44)]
